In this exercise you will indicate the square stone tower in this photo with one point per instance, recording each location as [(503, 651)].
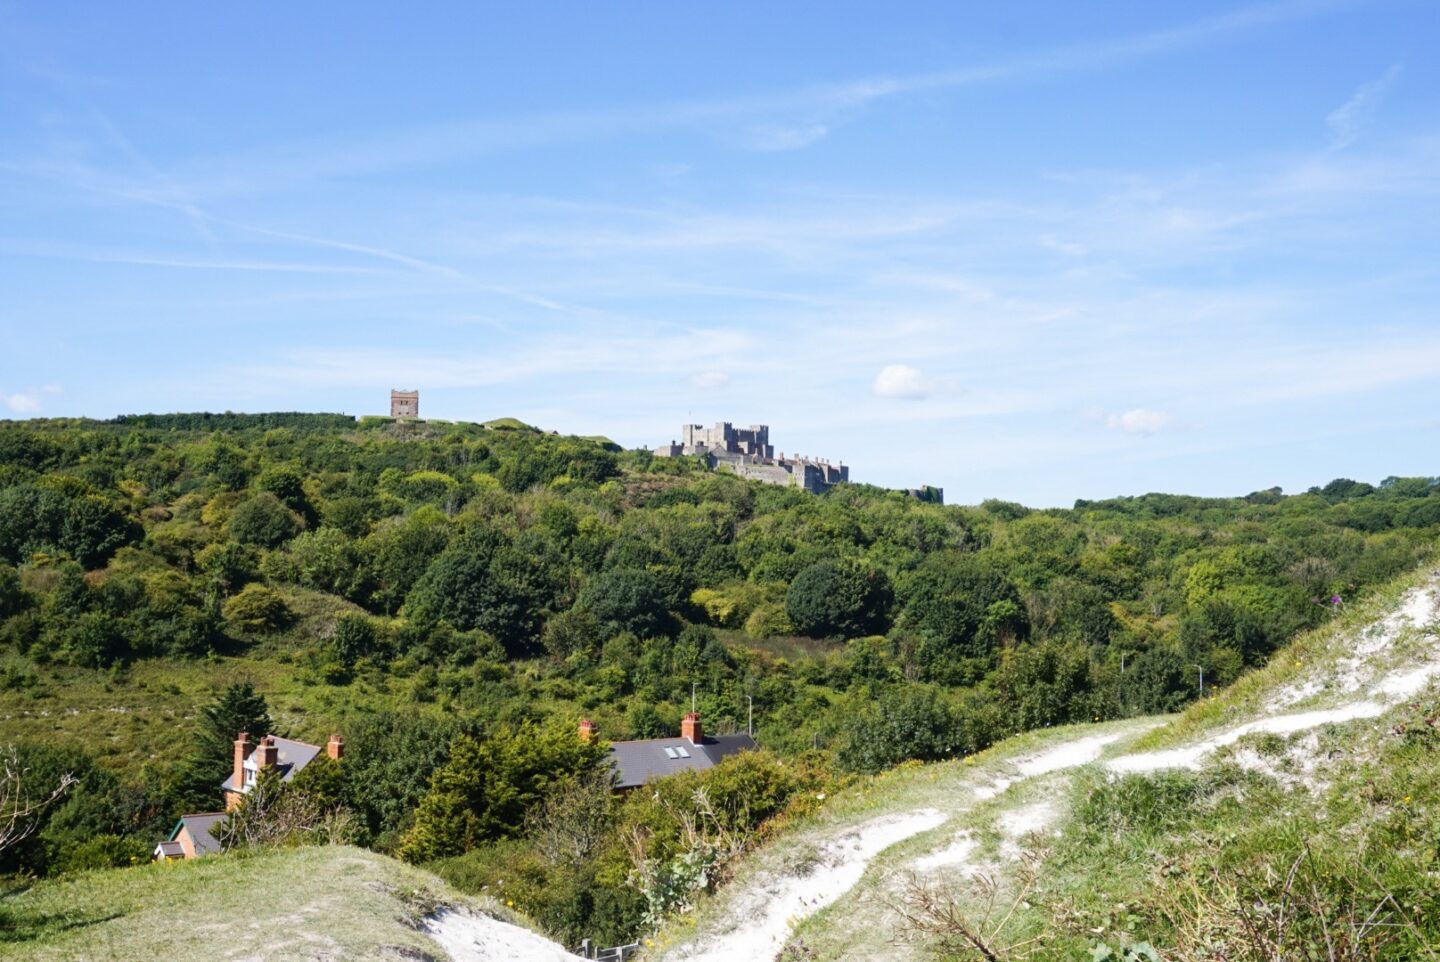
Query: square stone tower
[(404, 404)]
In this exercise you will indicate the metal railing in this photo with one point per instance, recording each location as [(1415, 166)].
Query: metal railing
[(617, 953)]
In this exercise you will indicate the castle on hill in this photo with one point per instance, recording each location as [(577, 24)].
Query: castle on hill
[(749, 453)]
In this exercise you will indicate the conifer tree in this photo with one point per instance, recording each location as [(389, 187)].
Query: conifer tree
[(196, 780)]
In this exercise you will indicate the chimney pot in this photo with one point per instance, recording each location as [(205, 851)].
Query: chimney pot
[(690, 728), (336, 747), (588, 730)]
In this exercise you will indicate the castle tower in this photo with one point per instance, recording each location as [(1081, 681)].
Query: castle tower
[(404, 404)]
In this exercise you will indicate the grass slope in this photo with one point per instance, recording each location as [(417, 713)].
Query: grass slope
[(1305, 814), (275, 905)]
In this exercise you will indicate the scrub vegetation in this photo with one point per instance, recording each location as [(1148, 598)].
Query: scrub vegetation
[(453, 598)]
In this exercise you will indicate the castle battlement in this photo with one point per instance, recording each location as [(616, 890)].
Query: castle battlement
[(749, 453)]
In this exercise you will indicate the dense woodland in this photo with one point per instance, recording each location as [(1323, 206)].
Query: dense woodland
[(453, 598)]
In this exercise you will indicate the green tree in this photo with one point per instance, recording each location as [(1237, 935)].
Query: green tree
[(92, 531), (488, 785), (263, 520), (912, 721), (485, 581), (389, 758), (627, 599), (195, 781), (964, 606), (839, 599), (354, 638), (400, 552), (329, 561), (13, 597)]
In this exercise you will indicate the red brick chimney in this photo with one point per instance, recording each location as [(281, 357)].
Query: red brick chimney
[(242, 751), (335, 748), (588, 730), (267, 753), (690, 728)]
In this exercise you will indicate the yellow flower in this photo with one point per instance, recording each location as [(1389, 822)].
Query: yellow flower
[(510, 902)]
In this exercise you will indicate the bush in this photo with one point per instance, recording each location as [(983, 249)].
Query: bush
[(839, 599), (256, 609), (627, 599), (912, 722), (263, 521), (727, 607), (768, 621)]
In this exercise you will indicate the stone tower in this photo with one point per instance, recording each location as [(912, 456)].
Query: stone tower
[(404, 404)]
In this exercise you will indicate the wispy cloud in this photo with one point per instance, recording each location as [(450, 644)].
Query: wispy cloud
[(23, 403), (777, 137), (782, 120), (100, 255), (709, 380), (1140, 421), (1347, 120)]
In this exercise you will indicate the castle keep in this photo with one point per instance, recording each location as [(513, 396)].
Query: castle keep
[(749, 453), (404, 404)]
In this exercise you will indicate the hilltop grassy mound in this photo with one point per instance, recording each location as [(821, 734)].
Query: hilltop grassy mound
[(278, 904)]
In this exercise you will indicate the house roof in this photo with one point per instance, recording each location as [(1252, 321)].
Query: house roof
[(638, 762), (291, 757), (201, 828), (169, 849)]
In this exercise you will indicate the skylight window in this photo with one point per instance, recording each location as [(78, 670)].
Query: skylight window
[(677, 752)]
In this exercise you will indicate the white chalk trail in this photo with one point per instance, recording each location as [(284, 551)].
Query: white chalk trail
[(467, 937), (1385, 693), (1190, 756), (767, 911), (1417, 610)]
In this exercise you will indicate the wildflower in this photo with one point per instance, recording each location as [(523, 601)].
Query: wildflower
[(510, 903), (820, 797)]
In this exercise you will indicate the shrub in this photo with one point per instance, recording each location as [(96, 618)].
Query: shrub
[(842, 599), (262, 520), (768, 621), (256, 608), (627, 599)]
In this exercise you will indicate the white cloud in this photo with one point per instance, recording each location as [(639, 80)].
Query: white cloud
[(709, 380), (901, 381), (777, 137), (1345, 121), (23, 403), (1140, 421)]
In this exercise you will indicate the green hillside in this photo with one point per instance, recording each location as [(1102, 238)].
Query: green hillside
[(454, 597), (330, 902), (1295, 816)]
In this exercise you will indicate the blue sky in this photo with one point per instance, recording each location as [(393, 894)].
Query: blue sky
[(1037, 251)]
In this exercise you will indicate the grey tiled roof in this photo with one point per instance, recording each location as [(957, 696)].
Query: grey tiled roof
[(292, 757), (201, 828), (638, 762)]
